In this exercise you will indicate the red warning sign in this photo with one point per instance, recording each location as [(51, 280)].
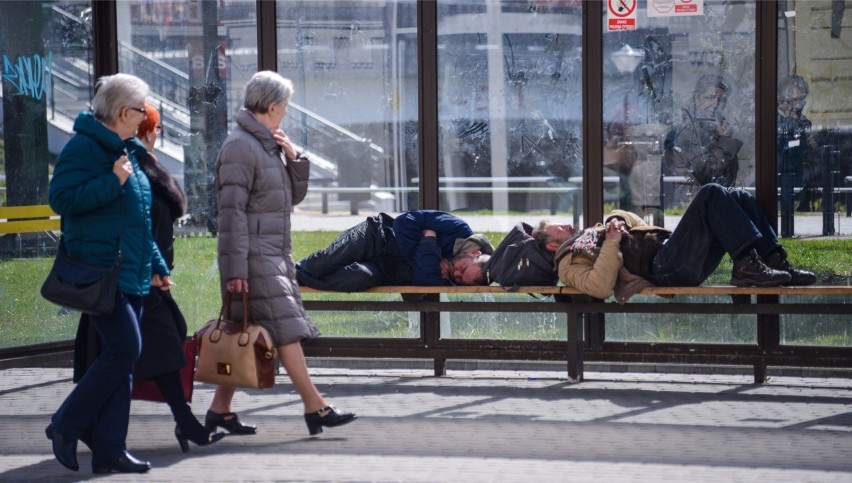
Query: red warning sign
[(621, 15)]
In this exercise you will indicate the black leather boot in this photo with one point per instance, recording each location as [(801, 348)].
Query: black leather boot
[(777, 260), (750, 271)]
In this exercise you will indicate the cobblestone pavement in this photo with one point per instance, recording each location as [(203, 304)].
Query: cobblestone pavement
[(485, 425)]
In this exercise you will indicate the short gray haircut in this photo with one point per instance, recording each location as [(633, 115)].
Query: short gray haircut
[(115, 92), (792, 82), (264, 89), (540, 232)]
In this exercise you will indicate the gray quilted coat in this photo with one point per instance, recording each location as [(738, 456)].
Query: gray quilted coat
[(255, 201)]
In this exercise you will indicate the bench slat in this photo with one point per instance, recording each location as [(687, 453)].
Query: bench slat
[(26, 219), (30, 211), (29, 226)]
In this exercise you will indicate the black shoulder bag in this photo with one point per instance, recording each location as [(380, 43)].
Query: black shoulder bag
[(78, 285)]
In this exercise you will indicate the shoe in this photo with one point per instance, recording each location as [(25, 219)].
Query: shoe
[(64, 450), (750, 271), (208, 437), (777, 260), (126, 463), (327, 416), (227, 421)]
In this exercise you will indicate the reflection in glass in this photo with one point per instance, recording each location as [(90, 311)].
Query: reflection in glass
[(196, 56), (814, 145), (684, 116), (509, 106), (354, 67)]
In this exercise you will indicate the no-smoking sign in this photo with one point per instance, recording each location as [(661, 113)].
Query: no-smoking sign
[(621, 15)]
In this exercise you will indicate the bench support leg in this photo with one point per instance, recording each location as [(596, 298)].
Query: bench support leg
[(760, 372), (575, 348), (440, 367)]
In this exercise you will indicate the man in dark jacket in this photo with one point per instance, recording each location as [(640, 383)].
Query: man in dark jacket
[(420, 247)]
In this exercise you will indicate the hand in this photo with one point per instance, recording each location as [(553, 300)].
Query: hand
[(724, 128), (429, 233), (615, 229), (122, 167), (283, 141), (238, 285), (164, 283)]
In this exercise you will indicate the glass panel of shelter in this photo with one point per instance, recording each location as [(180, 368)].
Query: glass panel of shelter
[(814, 144), (510, 109), (678, 98), (47, 79)]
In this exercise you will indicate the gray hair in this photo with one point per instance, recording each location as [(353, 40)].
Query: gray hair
[(540, 232), (115, 92), (792, 82), (264, 89)]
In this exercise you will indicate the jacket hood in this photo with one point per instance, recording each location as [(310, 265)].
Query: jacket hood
[(477, 241), (88, 125)]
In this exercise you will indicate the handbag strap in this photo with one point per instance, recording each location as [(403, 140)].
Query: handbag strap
[(247, 310)]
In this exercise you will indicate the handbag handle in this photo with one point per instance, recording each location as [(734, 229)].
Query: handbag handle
[(247, 310)]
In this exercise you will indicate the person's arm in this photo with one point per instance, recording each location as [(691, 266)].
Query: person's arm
[(234, 183), (408, 229), (596, 278), (81, 184), (426, 270)]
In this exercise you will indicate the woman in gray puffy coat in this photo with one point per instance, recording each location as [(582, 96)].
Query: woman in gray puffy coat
[(255, 197)]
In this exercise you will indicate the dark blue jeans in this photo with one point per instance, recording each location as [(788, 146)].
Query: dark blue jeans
[(99, 405), (719, 220)]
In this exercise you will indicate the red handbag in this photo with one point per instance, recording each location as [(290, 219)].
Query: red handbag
[(147, 390)]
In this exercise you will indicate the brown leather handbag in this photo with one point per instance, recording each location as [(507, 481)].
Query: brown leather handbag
[(237, 354)]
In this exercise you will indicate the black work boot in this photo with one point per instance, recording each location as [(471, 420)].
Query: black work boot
[(777, 260), (749, 270)]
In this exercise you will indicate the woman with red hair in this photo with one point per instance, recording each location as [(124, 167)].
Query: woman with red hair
[(163, 326)]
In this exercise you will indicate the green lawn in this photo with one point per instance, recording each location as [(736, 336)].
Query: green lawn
[(26, 318)]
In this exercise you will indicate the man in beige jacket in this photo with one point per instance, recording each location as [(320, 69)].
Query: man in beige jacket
[(624, 254)]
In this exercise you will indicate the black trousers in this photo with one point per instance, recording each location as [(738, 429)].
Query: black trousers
[(363, 256)]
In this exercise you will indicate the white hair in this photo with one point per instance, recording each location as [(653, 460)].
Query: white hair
[(264, 89), (115, 92)]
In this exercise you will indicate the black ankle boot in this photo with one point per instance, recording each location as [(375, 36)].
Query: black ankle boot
[(200, 437), (749, 270), (229, 422), (777, 260), (327, 416)]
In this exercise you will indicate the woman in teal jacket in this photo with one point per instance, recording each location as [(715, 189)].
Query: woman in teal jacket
[(104, 199)]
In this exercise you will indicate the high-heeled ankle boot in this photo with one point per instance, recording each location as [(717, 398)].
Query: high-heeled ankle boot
[(328, 417), (202, 437), (228, 421)]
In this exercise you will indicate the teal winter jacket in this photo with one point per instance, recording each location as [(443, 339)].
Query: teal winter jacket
[(96, 208)]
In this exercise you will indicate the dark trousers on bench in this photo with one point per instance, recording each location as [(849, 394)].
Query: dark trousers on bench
[(719, 220), (363, 256)]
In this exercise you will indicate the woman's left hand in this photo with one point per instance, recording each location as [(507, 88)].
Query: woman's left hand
[(284, 141), (164, 283)]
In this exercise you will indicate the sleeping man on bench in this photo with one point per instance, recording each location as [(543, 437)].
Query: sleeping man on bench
[(419, 247), (624, 255)]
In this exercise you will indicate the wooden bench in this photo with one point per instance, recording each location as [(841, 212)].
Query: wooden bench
[(27, 219), (586, 327)]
